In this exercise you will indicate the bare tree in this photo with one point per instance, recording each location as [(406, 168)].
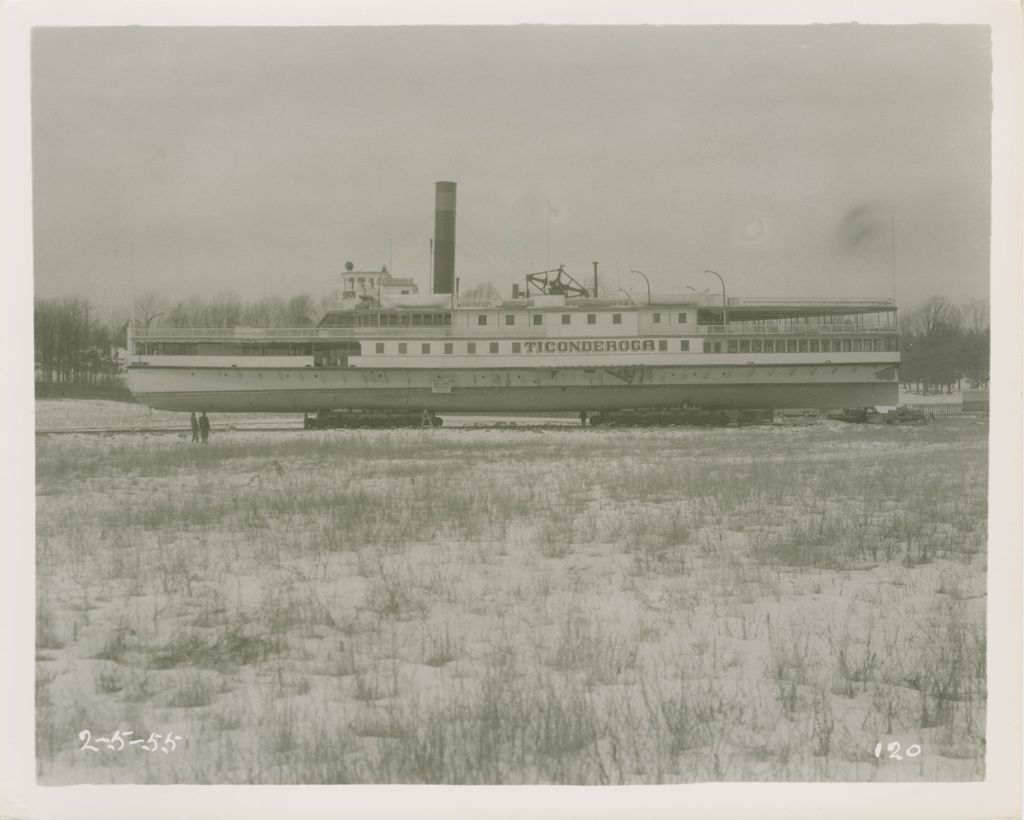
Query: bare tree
[(299, 311), (72, 346), (191, 312), (225, 309), (266, 312), (933, 344), (485, 290), (150, 307)]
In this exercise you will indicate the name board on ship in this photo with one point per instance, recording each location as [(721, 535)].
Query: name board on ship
[(588, 346)]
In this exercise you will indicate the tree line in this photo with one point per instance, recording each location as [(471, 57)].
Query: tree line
[(74, 344), (77, 344), (942, 344)]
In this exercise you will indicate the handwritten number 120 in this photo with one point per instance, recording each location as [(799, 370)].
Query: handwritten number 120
[(893, 748)]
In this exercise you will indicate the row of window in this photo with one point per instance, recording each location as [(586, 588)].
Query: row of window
[(873, 344), (382, 319), (397, 319), (566, 319), (535, 347), (538, 319), (851, 345)]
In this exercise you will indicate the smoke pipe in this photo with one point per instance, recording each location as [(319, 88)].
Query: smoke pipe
[(444, 238), (595, 280)]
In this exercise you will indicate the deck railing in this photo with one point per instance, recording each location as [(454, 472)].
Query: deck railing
[(805, 300), (795, 330), (241, 334)]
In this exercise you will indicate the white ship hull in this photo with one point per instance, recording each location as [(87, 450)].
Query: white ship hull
[(722, 384)]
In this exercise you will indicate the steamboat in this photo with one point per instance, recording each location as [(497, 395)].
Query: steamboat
[(554, 345)]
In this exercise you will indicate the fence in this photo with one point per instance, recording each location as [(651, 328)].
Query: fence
[(941, 408)]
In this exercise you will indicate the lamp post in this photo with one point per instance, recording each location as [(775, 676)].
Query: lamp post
[(648, 281), (725, 317)]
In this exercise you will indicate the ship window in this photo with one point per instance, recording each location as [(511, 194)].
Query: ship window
[(566, 318), (404, 319), (755, 345), (876, 345), (591, 318), (538, 318), (732, 345), (417, 319), (662, 344), (616, 318), (510, 319), (362, 280), (448, 347), (856, 345), (682, 318), (494, 347), (803, 345), (684, 345), (425, 347), (656, 318), (405, 293), (718, 347), (892, 344), (707, 345), (769, 345), (380, 347), (791, 345), (481, 319), (471, 347), (517, 347), (403, 347), (814, 345), (847, 345), (446, 318), (744, 345)]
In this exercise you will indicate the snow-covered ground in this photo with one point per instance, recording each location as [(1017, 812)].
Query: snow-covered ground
[(563, 606), (57, 414)]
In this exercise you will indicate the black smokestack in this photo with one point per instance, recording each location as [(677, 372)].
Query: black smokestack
[(444, 238)]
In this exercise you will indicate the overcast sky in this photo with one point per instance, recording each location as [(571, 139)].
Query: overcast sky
[(261, 160)]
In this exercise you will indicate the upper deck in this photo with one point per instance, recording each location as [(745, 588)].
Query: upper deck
[(557, 317)]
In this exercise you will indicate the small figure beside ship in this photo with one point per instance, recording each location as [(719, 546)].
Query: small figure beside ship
[(391, 356)]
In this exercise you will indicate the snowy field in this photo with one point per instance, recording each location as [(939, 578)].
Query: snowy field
[(85, 414), (490, 606)]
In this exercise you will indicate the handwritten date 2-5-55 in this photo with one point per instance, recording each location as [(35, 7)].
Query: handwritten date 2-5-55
[(119, 741)]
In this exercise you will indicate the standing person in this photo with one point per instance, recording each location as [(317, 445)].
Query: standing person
[(195, 429), (583, 418), (204, 427)]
